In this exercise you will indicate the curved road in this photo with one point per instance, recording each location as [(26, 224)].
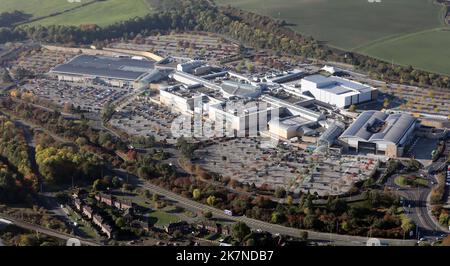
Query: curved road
[(420, 211)]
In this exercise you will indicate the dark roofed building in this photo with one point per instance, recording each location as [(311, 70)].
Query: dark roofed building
[(114, 71), (182, 226), (380, 133)]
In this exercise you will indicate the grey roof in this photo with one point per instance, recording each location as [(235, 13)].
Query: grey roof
[(339, 90), (105, 67), (330, 135), (317, 79), (154, 76), (298, 110), (239, 89), (394, 127)]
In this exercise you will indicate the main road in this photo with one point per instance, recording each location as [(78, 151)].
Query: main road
[(257, 224)]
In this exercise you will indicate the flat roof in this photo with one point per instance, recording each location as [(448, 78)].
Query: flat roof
[(239, 89), (336, 85), (105, 67)]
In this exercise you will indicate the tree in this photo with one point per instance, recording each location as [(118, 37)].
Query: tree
[(352, 108), (186, 148), (289, 200), (96, 186), (277, 217), (280, 192), (120, 222), (208, 214), (116, 182), (407, 224), (386, 102), (196, 193), (310, 221), (239, 231), (155, 197), (28, 240), (177, 234), (81, 141), (107, 112), (211, 200)]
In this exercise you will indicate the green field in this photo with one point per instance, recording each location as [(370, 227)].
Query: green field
[(100, 13), (427, 50), (161, 218), (37, 8), (399, 30)]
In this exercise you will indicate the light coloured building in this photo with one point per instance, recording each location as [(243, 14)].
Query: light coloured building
[(337, 91), (241, 117), (380, 133), (190, 66), (290, 127), (184, 99)]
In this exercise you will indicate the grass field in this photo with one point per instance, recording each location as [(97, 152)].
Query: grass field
[(100, 13), (403, 181), (37, 8), (161, 218), (399, 30), (427, 50)]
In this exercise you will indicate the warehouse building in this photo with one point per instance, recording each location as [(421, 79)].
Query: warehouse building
[(337, 91), (112, 71), (380, 133)]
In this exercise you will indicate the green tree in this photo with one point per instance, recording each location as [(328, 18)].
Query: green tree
[(120, 222), (208, 214), (196, 193), (386, 102), (280, 192), (211, 200), (407, 224), (97, 185), (239, 231), (155, 197)]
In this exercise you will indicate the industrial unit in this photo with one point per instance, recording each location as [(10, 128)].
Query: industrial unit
[(380, 133), (337, 91), (113, 71)]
